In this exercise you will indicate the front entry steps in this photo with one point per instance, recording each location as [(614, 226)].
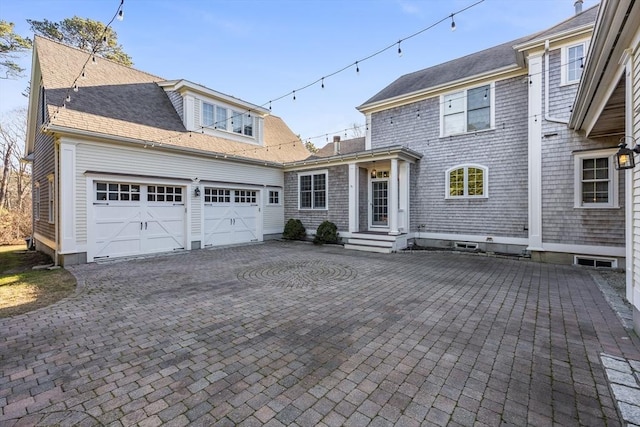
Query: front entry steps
[(376, 242)]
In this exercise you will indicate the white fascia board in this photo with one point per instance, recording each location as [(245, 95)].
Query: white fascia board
[(513, 70), (583, 31), (32, 113), (185, 86), (98, 137), (359, 157)]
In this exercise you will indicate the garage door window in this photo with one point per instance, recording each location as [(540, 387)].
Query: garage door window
[(246, 196), (164, 194), (117, 192), (217, 195)]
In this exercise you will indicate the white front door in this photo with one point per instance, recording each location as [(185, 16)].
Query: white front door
[(132, 219), (230, 216)]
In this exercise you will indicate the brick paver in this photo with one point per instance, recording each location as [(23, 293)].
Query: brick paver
[(254, 335)]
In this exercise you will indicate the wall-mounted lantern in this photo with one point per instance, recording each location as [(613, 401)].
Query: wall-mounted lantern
[(625, 156), (196, 192)]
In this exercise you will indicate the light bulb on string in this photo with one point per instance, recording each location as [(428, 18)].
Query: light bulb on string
[(75, 87), (93, 59), (399, 48), (68, 98), (104, 40), (294, 95), (453, 23), (82, 76), (269, 105), (357, 67), (322, 83), (120, 15)]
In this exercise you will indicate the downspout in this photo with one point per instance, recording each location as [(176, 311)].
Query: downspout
[(547, 116)]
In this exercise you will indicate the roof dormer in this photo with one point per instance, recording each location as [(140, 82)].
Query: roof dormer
[(214, 113)]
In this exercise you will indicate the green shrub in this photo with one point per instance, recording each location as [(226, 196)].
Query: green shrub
[(327, 233), (294, 230)]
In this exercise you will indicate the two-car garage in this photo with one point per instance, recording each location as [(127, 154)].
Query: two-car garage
[(136, 218)]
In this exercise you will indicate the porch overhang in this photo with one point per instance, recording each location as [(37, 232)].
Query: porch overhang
[(387, 153), (599, 107)]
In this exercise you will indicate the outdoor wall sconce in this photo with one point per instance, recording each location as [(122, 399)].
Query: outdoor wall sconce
[(196, 192), (374, 172), (625, 156)]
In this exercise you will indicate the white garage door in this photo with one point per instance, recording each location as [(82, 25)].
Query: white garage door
[(230, 216), (133, 219)]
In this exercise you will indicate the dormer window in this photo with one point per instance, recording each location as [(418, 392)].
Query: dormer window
[(222, 118)]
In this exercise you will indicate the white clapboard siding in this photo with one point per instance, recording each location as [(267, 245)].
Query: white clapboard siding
[(155, 162)]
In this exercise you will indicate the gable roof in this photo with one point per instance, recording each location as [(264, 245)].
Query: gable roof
[(495, 58), (115, 101), (348, 146)]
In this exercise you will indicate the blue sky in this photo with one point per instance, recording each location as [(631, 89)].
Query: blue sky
[(260, 50)]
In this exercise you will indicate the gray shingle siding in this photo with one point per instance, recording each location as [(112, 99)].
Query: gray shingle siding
[(502, 150), (43, 165), (561, 221), (338, 200), (177, 101)]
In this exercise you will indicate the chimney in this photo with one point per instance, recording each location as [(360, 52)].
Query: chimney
[(336, 145), (578, 6)]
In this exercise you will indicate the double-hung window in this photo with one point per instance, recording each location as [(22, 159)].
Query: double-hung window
[(468, 110), (596, 180), (313, 190), (222, 118), (572, 63), (466, 181)]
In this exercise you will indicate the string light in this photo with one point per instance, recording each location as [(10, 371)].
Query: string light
[(323, 83), (399, 48), (453, 23), (120, 15), (357, 68), (75, 87)]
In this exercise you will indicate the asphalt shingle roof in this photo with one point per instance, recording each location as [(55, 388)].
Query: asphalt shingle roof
[(494, 58), (113, 99), (348, 146)]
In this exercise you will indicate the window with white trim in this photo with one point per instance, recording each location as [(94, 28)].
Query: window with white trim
[(115, 191), (222, 118), (246, 196), (466, 181), (313, 190), (217, 195), (468, 110), (164, 193), (36, 199), (274, 197), (596, 180), (50, 194), (572, 63)]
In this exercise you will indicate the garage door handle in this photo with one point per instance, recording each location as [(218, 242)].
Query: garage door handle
[(140, 226), (145, 225)]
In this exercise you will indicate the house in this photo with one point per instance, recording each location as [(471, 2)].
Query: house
[(477, 153), (607, 104), (127, 163)]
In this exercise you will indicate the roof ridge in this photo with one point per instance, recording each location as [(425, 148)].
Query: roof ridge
[(36, 36), (546, 30)]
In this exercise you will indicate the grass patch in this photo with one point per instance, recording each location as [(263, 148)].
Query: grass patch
[(23, 289)]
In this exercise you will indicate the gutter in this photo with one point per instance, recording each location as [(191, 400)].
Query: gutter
[(360, 155), (547, 115), (158, 145)]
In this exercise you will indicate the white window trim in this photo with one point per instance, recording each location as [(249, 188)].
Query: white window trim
[(564, 62), (230, 115), (50, 199), (324, 172), (269, 191), (36, 198), (614, 202), (466, 166), (492, 109)]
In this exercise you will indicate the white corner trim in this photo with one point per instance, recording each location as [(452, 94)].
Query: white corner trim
[(67, 198), (535, 151)]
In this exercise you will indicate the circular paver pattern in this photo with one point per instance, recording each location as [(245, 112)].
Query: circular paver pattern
[(298, 274)]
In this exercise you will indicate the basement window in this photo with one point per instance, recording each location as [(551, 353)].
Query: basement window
[(595, 262), (465, 245)]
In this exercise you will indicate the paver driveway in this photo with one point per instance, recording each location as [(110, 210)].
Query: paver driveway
[(296, 334)]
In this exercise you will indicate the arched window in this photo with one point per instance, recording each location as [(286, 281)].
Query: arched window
[(467, 181)]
